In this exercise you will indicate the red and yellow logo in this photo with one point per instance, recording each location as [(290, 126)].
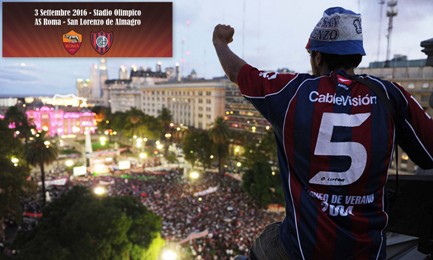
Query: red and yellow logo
[(72, 41)]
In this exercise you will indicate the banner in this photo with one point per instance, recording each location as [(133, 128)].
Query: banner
[(195, 235), (207, 191), (56, 182), (87, 29)]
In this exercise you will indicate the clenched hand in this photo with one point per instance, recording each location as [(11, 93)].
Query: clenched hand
[(223, 34)]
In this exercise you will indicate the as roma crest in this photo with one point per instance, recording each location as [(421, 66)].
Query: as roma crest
[(101, 41), (72, 41)]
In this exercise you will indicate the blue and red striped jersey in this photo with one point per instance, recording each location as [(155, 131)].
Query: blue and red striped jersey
[(335, 139)]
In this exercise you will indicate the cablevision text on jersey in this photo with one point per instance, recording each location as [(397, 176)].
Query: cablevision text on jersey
[(342, 100)]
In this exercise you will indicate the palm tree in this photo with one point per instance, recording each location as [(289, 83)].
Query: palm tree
[(15, 115), (41, 151), (18, 119), (220, 134)]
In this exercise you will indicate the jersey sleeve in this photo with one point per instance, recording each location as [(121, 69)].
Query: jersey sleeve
[(255, 83), (263, 90), (415, 131)]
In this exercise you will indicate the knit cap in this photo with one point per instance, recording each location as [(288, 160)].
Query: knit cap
[(339, 31)]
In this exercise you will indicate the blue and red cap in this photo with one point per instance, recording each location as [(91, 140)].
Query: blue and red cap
[(339, 32)]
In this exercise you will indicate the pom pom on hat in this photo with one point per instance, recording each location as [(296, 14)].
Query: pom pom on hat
[(339, 32)]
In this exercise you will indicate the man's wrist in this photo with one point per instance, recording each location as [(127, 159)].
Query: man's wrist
[(219, 43)]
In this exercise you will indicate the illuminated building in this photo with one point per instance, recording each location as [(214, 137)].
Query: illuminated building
[(62, 121)]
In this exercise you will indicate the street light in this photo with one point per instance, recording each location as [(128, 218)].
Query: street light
[(194, 175), (15, 161), (103, 140), (237, 151), (143, 155), (238, 165), (69, 163), (159, 146), (169, 254), (100, 190), (138, 142)]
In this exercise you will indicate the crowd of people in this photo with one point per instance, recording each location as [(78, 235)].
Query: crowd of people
[(205, 218), (208, 218)]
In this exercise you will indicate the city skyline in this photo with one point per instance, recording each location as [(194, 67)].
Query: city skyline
[(266, 43)]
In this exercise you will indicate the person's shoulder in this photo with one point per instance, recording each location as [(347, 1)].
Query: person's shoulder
[(391, 87), (385, 82), (371, 76)]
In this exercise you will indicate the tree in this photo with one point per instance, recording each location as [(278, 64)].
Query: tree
[(262, 180), (79, 225), (19, 121), (220, 134), (104, 117), (135, 124), (265, 147), (15, 116), (13, 186), (204, 149), (165, 118), (13, 174), (268, 146), (189, 145), (262, 183), (196, 146), (101, 112), (21, 124), (41, 151), (257, 182)]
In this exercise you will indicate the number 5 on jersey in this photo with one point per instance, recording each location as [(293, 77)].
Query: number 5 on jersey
[(324, 147)]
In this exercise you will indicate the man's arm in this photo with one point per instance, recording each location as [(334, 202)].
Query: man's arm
[(231, 63)]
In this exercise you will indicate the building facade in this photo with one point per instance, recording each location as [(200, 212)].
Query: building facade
[(123, 96), (240, 114), (195, 103)]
